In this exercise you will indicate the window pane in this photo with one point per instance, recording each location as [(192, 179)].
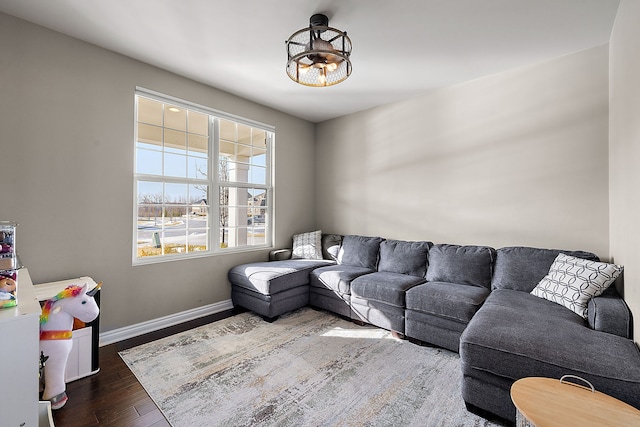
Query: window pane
[(149, 223), (148, 162), (175, 118), (239, 172), (175, 193), (197, 168), (257, 175), (175, 142), (239, 155), (149, 111), (150, 192), (198, 239), (256, 236), (172, 246), (224, 166), (231, 238), (174, 214), (149, 215), (224, 238), (198, 193), (175, 165), (198, 123), (244, 220), (199, 205), (227, 130), (244, 134), (243, 152), (198, 145), (149, 136), (259, 138), (259, 157), (227, 148)]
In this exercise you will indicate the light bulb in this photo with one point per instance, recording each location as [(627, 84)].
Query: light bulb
[(332, 67), (303, 69), (322, 78)]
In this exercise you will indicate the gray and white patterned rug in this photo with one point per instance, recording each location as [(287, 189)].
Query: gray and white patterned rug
[(308, 368)]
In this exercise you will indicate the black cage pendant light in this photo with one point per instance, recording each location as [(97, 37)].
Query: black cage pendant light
[(318, 55)]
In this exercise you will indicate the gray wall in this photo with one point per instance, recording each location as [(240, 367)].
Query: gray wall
[(515, 158), (66, 144), (624, 150)]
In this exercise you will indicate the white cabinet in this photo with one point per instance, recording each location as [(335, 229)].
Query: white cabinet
[(79, 362), (19, 356)]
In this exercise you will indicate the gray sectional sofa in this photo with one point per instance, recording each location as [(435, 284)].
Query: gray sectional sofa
[(474, 300)]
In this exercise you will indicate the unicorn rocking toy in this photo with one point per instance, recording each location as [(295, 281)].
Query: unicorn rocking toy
[(56, 324)]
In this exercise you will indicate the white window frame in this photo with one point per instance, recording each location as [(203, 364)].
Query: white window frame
[(213, 181)]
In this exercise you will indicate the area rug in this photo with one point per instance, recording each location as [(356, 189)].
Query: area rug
[(308, 368)]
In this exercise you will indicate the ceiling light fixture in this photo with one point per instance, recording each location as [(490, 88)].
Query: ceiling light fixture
[(319, 55)]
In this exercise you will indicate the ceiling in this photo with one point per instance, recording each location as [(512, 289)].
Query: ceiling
[(400, 48)]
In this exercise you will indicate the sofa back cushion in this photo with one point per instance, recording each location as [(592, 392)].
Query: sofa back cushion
[(360, 251), (521, 268), (331, 246), (465, 265), (397, 256)]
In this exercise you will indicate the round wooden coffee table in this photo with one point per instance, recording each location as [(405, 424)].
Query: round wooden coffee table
[(544, 402)]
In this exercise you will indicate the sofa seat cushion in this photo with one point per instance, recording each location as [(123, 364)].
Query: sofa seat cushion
[(521, 268), (466, 265), (447, 300), (336, 277), (397, 256), (268, 278), (516, 335), (389, 288)]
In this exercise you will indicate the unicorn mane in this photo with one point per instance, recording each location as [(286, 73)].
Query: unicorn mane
[(69, 292)]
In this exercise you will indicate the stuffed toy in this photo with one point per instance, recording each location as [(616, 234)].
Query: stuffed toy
[(56, 323), (7, 291)]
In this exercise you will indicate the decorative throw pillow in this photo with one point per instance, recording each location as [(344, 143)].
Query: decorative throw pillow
[(572, 282), (307, 245)]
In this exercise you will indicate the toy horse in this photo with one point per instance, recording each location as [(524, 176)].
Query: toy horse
[(56, 324)]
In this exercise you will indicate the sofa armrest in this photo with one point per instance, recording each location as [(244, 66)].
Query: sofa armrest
[(280, 254), (609, 313)]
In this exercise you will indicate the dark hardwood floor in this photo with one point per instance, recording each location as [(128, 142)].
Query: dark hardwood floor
[(113, 396)]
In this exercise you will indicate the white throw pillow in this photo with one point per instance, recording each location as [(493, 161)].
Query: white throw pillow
[(307, 245), (572, 282)]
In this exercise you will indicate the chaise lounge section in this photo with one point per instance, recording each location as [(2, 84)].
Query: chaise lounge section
[(273, 288), (474, 300), (516, 334)]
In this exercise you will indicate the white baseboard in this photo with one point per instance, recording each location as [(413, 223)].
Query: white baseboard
[(138, 329)]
